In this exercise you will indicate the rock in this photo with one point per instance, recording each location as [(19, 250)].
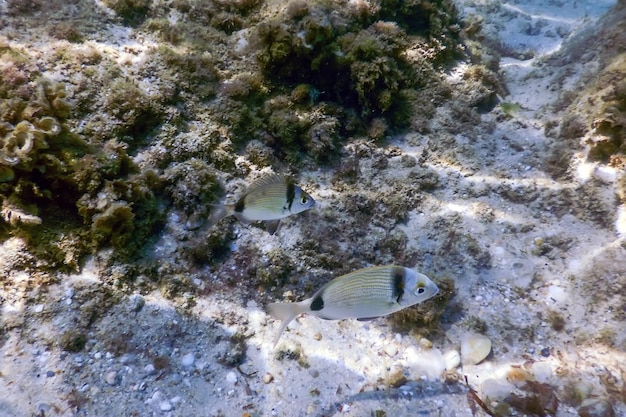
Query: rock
[(596, 407), (496, 389), (111, 378), (188, 359), (267, 378), (396, 378), (428, 363), (542, 371), (136, 302), (166, 406), (425, 343), (474, 348), (391, 350), (231, 378), (452, 359)]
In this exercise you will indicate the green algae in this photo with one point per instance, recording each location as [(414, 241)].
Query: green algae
[(50, 170)]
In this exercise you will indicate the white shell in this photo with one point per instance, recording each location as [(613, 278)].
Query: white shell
[(452, 359), (474, 348)]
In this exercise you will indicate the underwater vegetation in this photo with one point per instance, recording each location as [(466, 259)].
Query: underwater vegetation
[(65, 196), (595, 113), (97, 160), (305, 78)]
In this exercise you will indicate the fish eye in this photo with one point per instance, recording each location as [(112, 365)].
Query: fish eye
[(420, 290), (304, 200)]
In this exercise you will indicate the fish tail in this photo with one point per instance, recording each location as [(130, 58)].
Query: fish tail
[(218, 212), (285, 312)]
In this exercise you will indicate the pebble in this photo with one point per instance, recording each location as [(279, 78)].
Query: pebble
[(267, 378), (452, 359), (188, 359), (136, 302), (542, 371), (38, 308), (50, 374), (428, 363), (425, 343), (391, 350), (596, 407), (166, 406), (231, 377), (396, 378), (314, 373), (111, 378), (496, 389), (474, 348), (149, 369)]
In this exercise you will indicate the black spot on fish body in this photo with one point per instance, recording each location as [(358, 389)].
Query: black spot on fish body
[(240, 205), (291, 193), (398, 275), (317, 304)]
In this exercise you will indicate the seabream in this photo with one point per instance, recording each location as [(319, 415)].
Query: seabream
[(268, 199), (364, 294)]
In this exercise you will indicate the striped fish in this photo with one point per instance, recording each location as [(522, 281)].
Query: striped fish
[(364, 294), (268, 199)]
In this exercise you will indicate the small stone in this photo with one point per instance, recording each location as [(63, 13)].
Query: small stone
[(396, 378), (38, 308), (231, 377), (545, 352), (596, 407), (542, 371), (136, 302), (314, 373), (188, 359), (452, 359), (391, 350), (267, 378), (317, 336), (111, 378), (166, 406), (149, 369), (50, 374), (425, 343), (474, 348)]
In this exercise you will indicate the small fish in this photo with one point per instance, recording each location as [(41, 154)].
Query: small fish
[(268, 199), (364, 294)]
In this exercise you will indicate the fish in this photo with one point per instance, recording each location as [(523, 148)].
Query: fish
[(268, 199), (364, 294)]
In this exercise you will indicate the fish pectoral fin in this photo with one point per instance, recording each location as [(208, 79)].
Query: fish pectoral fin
[(242, 219), (367, 318), (272, 226)]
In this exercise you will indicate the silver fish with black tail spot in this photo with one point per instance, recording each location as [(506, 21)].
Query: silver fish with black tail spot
[(364, 294), (268, 199)]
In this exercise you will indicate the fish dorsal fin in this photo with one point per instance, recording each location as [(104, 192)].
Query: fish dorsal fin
[(266, 180)]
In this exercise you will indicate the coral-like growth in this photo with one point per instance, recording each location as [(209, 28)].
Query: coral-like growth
[(132, 12), (48, 170), (610, 126), (192, 185)]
